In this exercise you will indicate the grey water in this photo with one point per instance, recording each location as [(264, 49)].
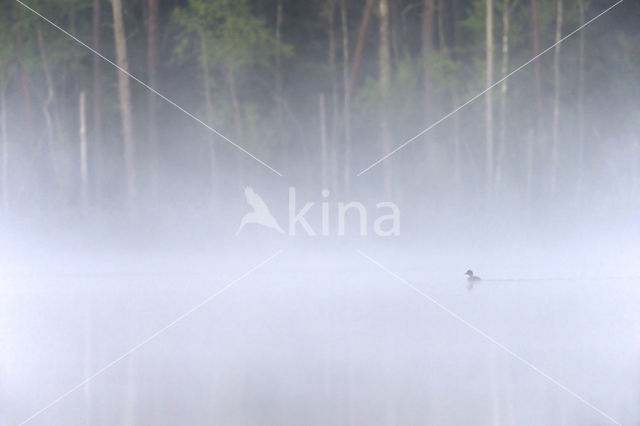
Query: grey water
[(318, 340)]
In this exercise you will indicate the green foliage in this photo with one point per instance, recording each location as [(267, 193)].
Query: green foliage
[(233, 36), (237, 37), (444, 70)]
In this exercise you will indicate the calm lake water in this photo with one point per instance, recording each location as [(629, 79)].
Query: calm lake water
[(315, 343)]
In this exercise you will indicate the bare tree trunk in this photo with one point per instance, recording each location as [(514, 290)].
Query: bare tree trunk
[(124, 93), (366, 17), (279, 73), (84, 165), (428, 45), (49, 114), (455, 94), (152, 63), (97, 104), (384, 67), (393, 32), (4, 138), (556, 100), (504, 88), (235, 103), (536, 64), (335, 109), (581, 63), (442, 46), (237, 119), (26, 94), (75, 74), (208, 104), (529, 170), (24, 80), (636, 165), (427, 50), (489, 97), (346, 107), (441, 27), (324, 179)]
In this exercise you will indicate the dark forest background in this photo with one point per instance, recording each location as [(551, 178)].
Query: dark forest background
[(318, 90)]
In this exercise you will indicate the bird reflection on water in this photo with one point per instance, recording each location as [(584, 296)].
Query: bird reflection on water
[(471, 279)]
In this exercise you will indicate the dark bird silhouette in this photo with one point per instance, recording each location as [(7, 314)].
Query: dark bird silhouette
[(471, 277)]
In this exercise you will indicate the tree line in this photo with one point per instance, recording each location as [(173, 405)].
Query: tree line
[(318, 90)]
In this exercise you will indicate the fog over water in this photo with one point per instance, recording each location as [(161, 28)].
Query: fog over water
[(320, 334), (260, 212)]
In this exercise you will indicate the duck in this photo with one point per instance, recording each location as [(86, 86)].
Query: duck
[(471, 277)]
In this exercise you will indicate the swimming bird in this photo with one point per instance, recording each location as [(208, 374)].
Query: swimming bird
[(472, 277)]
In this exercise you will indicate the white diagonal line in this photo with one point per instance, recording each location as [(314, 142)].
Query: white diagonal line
[(77, 40), (488, 337), (150, 338), (487, 89)]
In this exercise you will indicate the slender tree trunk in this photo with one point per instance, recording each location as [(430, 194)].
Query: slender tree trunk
[(635, 158), (581, 78), (324, 178), (394, 26), (75, 73), (489, 97), (427, 50), (237, 119), (428, 46), (536, 64), (279, 21), (26, 94), (455, 96), (537, 73), (441, 26), (49, 112), (457, 150), (124, 93), (279, 72), (235, 103), (335, 109), (84, 165), (502, 139), (384, 67), (366, 17), (556, 100), (152, 64), (24, 80), (97, 104), (442, 47), (4, 138), (504, 88), (529, 170), (346, 107), (208, 104)]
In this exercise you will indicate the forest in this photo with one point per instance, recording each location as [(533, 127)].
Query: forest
[(144, 105)]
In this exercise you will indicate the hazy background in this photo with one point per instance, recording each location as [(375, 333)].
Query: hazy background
[(119, 211)]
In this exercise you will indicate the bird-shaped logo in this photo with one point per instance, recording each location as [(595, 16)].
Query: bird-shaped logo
[(260, 214)]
